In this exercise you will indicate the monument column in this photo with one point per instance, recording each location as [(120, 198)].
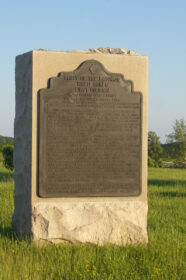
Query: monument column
[(81, 146)]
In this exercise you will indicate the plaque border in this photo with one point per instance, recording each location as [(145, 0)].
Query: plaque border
[(49, 86)]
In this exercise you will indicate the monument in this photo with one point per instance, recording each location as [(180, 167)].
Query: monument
[(81, 146)]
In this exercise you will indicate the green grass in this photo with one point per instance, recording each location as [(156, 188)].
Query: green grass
[(162, 258)]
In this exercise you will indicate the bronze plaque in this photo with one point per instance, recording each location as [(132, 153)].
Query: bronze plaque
[(89, 128)]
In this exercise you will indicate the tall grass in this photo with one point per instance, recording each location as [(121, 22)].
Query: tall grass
[(162, 258)]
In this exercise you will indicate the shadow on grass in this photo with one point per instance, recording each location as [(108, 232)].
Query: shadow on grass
[(167, 183), (172, 194), (6, 176), (8, 232)]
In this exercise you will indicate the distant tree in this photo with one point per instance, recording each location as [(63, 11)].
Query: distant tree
[(6, 140), (178, 137), (7, 152), (1, 147), (154, 150)]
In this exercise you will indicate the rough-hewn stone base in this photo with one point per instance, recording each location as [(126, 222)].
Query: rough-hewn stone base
[(92, 222)]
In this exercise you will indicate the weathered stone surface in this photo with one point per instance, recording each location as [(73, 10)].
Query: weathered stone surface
[(96, 223), (22, 145), (107, 50), (103, 50)]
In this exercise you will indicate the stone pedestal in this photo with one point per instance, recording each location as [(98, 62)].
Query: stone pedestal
[(90, 219)]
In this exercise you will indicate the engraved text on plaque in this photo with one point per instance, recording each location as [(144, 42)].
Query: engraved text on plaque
[(89, 127)]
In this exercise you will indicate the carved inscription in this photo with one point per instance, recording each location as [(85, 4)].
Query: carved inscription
[(89, 135)]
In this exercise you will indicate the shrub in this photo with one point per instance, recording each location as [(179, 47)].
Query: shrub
[(150, 162), (7, 152), (154, 150)]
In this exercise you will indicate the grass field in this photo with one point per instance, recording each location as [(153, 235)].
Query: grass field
[(162, 258)]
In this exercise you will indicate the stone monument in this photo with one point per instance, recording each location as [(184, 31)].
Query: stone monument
[(81, 146)]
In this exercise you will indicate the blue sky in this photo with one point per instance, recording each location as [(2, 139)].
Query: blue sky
[(153, 28)]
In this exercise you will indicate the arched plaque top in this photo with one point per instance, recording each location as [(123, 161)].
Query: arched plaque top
[(86, 69)]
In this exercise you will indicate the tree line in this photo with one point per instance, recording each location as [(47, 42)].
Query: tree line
[(174, 150)]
